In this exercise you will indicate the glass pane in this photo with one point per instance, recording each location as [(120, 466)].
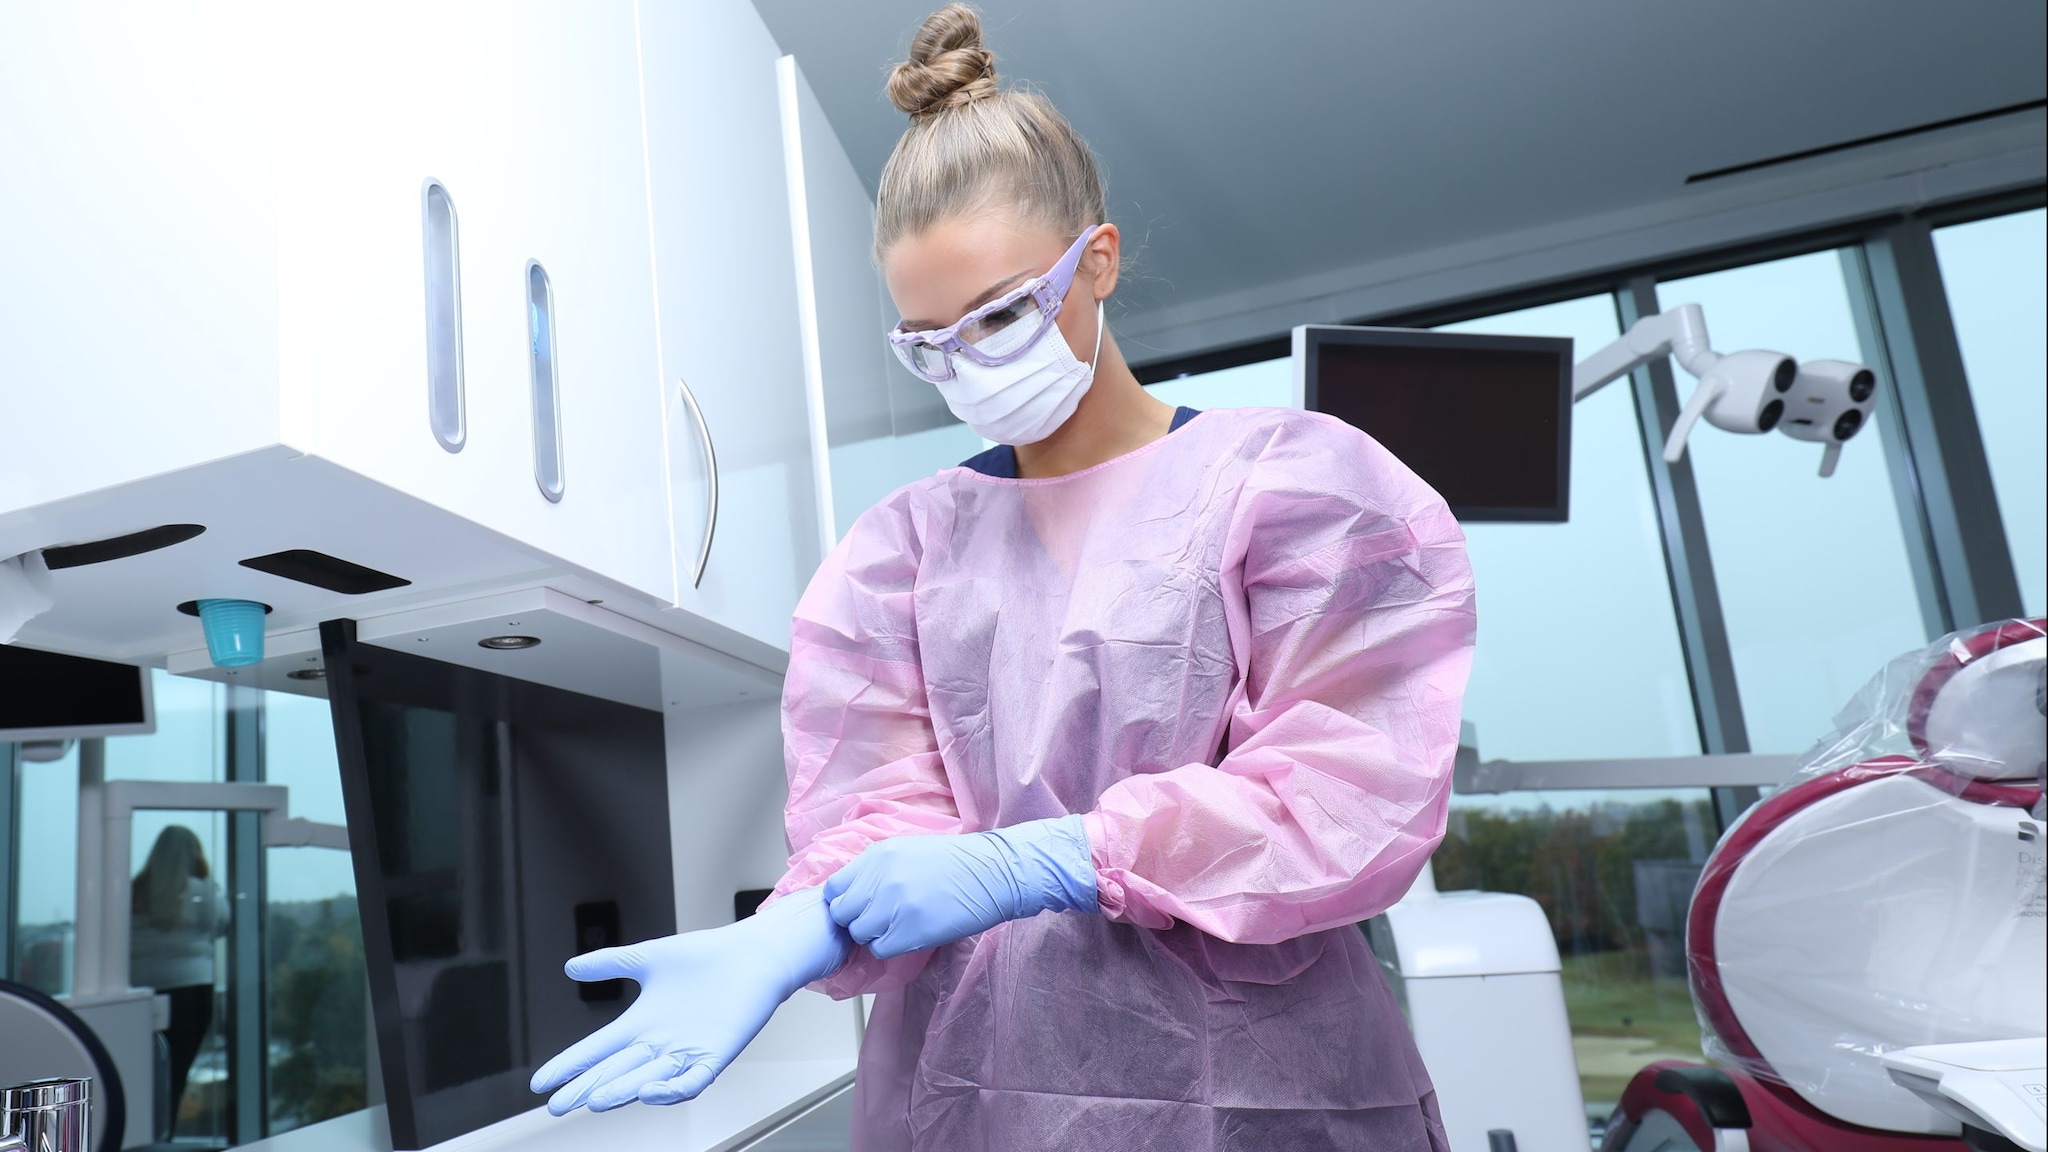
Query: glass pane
[(1266, 384), (46, 873), (317, 1018), (1614, 872), (1996, 275), (1578, 654), (190, 742), (179, 919), (1813, 575), (1578, 658)]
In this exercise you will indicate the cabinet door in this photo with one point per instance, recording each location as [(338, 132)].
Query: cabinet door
[(136, 305), (567, 153), (385, 99), (728, 315), (527, 116)]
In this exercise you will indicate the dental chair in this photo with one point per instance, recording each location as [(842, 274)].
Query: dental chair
[(1866, 945)]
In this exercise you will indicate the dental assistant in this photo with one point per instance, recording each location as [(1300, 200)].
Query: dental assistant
[(1101, 744)]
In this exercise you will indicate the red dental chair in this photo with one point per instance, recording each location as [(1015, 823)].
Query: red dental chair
[(1886, 904)]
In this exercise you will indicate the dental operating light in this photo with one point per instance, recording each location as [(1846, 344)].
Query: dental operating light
[(1752, 392)]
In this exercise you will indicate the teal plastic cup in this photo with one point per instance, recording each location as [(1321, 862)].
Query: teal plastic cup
[(234, 632)]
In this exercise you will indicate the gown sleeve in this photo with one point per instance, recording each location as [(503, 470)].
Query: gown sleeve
[(862, 759), (1354, 640)]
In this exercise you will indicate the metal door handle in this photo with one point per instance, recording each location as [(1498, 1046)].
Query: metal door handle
[(710, 466)]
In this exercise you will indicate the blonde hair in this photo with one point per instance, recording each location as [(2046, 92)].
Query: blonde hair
[(159, 890), (972, 145)]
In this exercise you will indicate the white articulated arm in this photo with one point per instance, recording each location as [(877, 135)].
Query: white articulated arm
[(1680, 333)]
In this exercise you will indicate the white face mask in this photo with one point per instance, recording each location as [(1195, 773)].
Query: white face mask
[(1026, 400)]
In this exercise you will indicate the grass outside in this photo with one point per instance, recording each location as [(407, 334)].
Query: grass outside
[(1623, 1018)]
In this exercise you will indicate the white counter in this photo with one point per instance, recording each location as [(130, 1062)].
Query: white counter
[(751, 1100)]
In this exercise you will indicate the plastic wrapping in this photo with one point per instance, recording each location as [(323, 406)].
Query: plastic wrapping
[(1891, 893)]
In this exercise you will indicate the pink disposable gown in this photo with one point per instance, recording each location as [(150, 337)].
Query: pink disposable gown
[(1240, 652)]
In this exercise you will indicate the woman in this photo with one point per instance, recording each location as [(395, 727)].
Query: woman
[(1188, 684), (176, 912)]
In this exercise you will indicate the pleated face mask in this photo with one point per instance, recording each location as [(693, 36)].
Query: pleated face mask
[(1005, 369)]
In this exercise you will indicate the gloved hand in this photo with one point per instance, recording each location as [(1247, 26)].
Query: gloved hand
[(908, 893), (703, 996)]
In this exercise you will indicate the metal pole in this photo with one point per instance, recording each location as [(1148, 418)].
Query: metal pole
[(91, 918), (10, 802), (1695, 595), (248, 979), (1967, 535), (1935, 614)]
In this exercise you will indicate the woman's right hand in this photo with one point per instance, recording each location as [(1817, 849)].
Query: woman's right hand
[(703, 997)]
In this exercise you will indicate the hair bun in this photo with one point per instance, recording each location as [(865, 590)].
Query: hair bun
[(947, 68)]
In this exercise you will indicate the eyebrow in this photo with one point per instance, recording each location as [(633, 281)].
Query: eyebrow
[(994, 290)]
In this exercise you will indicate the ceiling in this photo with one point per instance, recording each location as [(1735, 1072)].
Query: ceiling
[(1254, 143)]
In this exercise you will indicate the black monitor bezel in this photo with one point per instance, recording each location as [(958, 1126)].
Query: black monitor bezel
[(1311, 339)]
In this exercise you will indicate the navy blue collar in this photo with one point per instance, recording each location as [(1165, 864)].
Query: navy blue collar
[(1001, 460)]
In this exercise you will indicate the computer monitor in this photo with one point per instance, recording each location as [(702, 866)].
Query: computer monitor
[(52, 696), (1485, 420), (498, 828)]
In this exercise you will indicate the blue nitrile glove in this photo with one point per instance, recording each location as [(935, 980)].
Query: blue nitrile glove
[(703, 996), (908, 893)]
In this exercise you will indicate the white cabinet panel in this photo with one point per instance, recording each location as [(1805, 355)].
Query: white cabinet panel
[(137, 306), (728, 314), (529, 115)]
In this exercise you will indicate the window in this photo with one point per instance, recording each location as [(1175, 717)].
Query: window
[(313, 983), (1579, 658), (1578, 653), (1994, 271), (1813, 574), (317, 1039), (1266, 384), (46, 872)]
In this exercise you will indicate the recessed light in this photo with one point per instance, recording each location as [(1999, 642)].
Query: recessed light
[(508, 643), (306, 674)]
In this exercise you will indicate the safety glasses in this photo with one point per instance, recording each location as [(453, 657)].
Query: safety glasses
[(997, 332)]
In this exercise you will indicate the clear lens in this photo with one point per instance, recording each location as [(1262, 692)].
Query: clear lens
[(928, 361), (1006, 330)]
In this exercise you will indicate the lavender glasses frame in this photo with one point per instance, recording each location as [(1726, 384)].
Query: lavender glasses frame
[(1049, 291)]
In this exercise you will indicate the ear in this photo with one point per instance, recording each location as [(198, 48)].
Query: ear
[(1102, 260)]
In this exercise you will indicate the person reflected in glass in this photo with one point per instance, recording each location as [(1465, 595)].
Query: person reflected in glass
[(176, 912)]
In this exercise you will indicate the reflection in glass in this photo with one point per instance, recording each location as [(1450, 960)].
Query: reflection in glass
[(1814, 580), (179, 918), (1996, 275)]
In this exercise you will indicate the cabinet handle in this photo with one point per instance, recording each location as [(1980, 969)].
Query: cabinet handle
[(444, 316), (710, 466), (543, 360)]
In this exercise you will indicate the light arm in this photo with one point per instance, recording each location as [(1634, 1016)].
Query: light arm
[(1680, 332)]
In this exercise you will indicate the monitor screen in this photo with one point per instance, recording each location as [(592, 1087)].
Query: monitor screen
[(51, 696), (498, 827), (1485, 420)]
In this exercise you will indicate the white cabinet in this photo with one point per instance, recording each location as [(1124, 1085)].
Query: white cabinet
[(215, 247), (137, 260), (728, 317), (528, 115)]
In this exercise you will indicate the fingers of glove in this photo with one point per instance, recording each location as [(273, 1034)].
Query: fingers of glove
[(901, 939), (851, 890), (625, 962), (582, 1055), (624, 1088), (578, 1091), (694, 1079)]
